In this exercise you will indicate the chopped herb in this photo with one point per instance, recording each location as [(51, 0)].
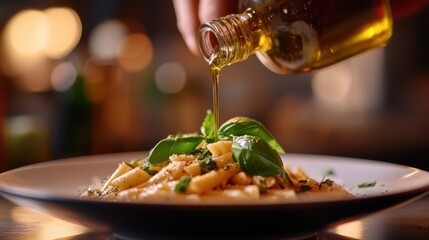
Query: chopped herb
[(329, 172), (304, 188), (149, 170), (183, 183), (207, 165), (202, 153), (367, 184), (197, 151)]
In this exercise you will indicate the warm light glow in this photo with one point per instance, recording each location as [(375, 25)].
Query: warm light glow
[(21, 125), (63, 76), (96, 75), (26, 32), (54, 32), (135, 53), (332, 85), (31, 73), (170, 77), (45, 222), (353, 230), (106, 38), (65, 30), (36, 78), (22, 43), (31, 38), (354, 86)]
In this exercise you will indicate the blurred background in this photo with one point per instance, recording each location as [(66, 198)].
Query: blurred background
[(105, 76)]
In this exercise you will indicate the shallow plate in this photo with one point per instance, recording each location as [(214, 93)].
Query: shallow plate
[(53, 187)]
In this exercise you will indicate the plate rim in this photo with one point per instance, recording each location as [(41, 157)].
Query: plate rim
[(38, 195)]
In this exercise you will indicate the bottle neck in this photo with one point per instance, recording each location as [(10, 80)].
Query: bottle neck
[(230, 39)]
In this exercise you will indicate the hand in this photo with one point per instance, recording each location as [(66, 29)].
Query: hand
[(191, 13)]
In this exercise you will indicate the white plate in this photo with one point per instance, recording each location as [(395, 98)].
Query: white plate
[(53, 187)]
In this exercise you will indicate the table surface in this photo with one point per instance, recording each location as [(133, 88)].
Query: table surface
[(409, 221)]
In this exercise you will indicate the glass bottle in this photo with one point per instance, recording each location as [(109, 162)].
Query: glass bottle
[(292, 36)]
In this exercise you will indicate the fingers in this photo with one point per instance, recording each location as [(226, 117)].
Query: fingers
[(188, 22), (191, 13), (210, 9)]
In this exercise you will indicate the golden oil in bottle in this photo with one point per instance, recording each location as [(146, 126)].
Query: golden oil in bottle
[(293, 36)]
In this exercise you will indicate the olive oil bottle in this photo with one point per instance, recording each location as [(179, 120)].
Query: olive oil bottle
[(294, 36)]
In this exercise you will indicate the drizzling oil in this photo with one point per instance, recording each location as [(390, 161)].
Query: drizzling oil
[(294, 36), (215, 70)]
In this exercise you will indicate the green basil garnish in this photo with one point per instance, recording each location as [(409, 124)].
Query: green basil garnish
[(183, 183), (208, 127), (367, 184), (240, 126), (329, 172), (253, 148), (148, 170), (207, 165), (169, 146), (256, 157)]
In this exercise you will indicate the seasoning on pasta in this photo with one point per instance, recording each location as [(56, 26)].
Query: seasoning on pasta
[(242, 163)]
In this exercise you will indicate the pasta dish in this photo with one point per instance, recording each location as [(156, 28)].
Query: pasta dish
[(240, 161)]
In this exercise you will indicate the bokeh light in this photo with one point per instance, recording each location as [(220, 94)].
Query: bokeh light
[(22, 39), (170, 77), (32, 38), (135, 52), (65, 29), (54, 32), (106, 38), (333, 84), (63, 76), (26, 32)]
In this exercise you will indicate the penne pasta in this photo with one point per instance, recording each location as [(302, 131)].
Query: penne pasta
[(172, 171), (240, 162), (122, 168), (130, 179), (209, 175), (208, 181), (219, 148)]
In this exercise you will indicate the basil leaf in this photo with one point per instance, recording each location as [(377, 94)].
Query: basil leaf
[(169, 146), (208, 127), (256, 157), (240, 126), (183, 183)]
